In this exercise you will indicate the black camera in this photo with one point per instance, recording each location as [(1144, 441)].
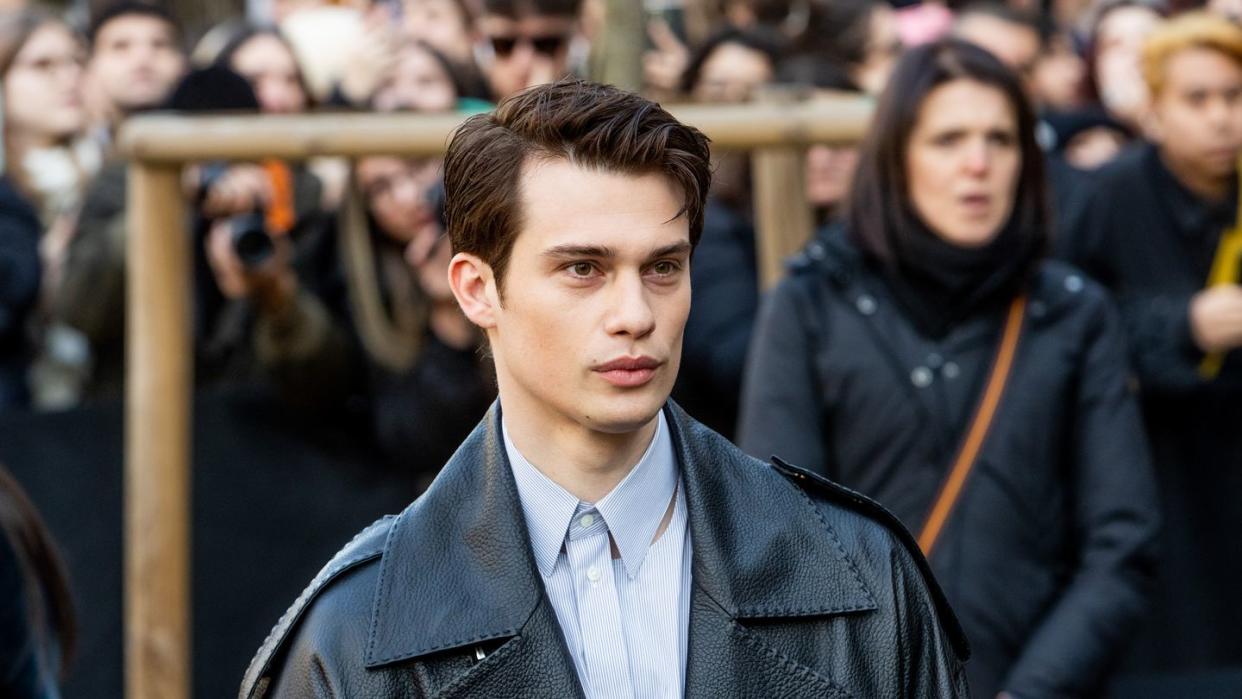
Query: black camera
[(251, 241)]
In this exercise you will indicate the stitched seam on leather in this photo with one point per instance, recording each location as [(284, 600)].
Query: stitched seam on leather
[(753, 640), (482, 668), (295, 611), (446, 646), (836, 540)]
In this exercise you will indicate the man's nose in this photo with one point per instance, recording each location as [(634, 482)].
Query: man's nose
[(630, 311)]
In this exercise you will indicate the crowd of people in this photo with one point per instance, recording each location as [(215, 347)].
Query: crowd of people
[(1044, 211)]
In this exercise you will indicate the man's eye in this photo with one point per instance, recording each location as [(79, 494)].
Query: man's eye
[(665, 268), (581, 269)]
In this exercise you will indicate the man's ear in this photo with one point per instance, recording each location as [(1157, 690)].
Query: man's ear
[(474, 288)]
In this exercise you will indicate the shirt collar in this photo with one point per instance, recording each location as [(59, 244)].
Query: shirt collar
[(633, 509)]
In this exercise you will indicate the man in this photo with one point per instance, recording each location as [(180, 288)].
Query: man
[(136, 59), (1154, 231), (589, 538), (522, 43)]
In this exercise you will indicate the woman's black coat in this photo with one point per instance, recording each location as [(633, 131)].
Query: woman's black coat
[(1047, 558)]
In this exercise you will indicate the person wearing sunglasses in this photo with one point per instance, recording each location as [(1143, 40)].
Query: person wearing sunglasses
[(523, 43)]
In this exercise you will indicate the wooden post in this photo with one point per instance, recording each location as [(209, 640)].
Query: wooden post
[(783, 222), (619, 60), (157, 431)]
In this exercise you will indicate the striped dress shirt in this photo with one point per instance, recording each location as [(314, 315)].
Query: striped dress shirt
[(625, 619)]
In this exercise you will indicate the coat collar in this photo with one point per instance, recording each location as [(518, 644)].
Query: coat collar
[(457, 568)]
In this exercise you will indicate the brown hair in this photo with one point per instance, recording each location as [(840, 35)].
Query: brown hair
[(1191, 30), (588, 124), (50, 606)]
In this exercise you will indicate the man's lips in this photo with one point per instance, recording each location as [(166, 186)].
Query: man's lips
[(628, 372)]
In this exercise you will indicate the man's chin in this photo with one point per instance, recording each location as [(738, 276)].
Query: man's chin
[(625, 414)]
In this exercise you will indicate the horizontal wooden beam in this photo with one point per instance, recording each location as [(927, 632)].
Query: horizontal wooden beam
[(166, 138)]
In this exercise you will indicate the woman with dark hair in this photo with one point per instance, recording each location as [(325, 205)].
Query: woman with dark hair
[(926, 354), (37, 630), (266, 59)]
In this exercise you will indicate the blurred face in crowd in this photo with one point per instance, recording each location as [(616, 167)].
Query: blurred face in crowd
[(442, 24), (134, 64), (883, 48), (1058, 76), (1119, 45), (272, 70), (1015, 44), (418, 82), (587, 329), (1197, 116), (732, 73), (829, 172), (963, 161), (396, 193), (43, 87), (520, 53)]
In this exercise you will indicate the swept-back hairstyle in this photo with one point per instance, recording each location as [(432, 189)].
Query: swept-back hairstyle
[(593, 126), (880, 213)]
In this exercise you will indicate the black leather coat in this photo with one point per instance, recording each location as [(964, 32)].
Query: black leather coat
[(800, 589)]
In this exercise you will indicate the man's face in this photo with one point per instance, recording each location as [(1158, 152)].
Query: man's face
[(1016, 45), (588, 328), (531, 50), (1198, 113), (135, 63)]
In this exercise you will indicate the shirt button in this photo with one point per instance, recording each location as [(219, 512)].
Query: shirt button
[(593, 574), (586, 521), (865, 304), (951, 370), (1073, 284), (921, 377)]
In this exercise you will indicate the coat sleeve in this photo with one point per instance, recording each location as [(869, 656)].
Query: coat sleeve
[(1157, 324), (782, 413), (19, 260), (1116, 519)]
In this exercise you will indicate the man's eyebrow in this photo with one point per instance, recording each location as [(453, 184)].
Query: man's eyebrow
[(579, 251), (603, 252), (677, 248)]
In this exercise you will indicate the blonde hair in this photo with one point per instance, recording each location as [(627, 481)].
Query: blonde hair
[(1191, 30)]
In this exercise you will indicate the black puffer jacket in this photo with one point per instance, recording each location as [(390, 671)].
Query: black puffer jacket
[(1047, 557), (800, 589)]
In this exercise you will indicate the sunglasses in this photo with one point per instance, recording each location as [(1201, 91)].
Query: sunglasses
[(546, 45)]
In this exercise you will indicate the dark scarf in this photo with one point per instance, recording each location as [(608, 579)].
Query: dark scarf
[(938, 285)]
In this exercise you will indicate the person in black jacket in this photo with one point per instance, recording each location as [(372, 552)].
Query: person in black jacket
[(871, 358), (1153, 232), (589, 538), (19, 290)]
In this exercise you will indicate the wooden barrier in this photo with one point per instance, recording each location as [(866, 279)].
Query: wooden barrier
[(159, 380)]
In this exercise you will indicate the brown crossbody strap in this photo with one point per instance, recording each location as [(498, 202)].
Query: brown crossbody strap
[(951, 490)]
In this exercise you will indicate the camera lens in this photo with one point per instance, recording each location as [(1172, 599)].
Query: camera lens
[(250, 239)]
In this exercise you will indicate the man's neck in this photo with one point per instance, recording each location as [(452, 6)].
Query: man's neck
[(1207, 187), (586, 462)]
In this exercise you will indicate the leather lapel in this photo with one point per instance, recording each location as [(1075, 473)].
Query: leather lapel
[(762, 553), (458, 578)]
